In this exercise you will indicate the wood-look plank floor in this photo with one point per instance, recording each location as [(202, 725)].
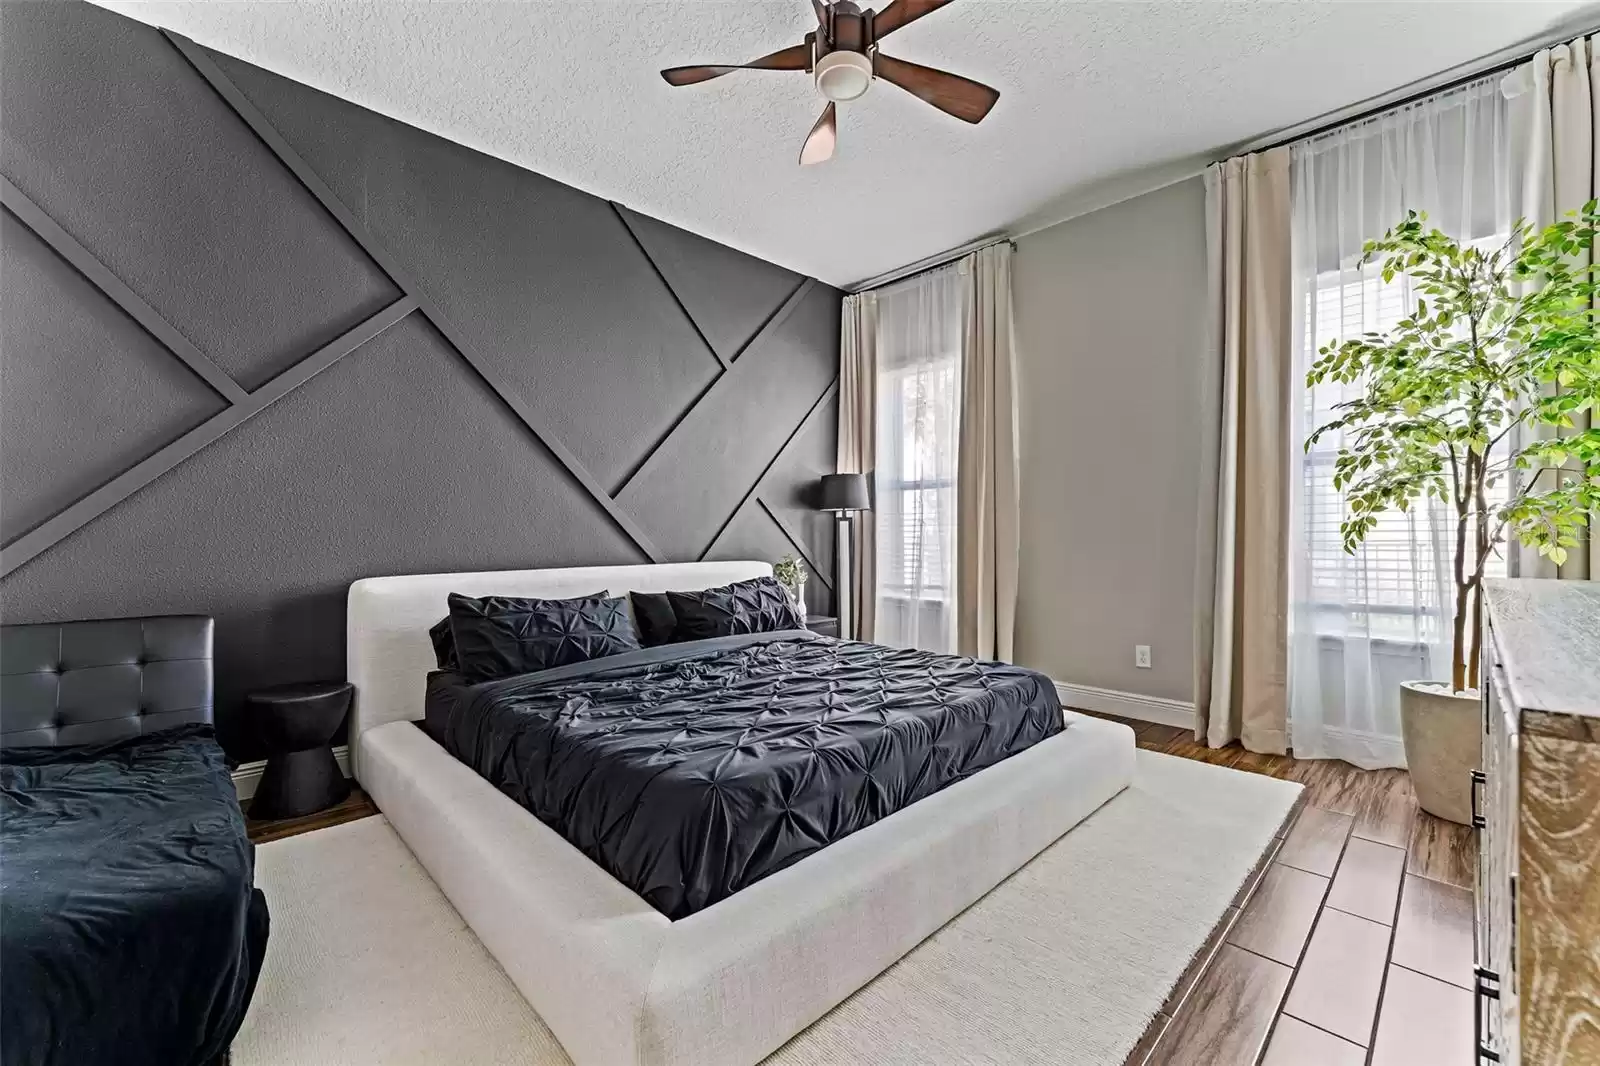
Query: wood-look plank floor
[(1277, 922), (1294, 1043), (1228, 1015), (1354, 946), (1433, 934), (1369, 878), (1340, 977), (356, 805)]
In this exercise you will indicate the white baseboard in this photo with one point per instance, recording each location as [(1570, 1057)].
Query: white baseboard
[(1159, 709), (247, 775)]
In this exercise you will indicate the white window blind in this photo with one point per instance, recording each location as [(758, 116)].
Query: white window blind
[(916, 490), (1405, 563), (919, 406)]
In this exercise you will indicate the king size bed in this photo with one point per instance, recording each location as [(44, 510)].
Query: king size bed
[(686, 854)]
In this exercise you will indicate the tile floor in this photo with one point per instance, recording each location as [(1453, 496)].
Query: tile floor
[(1356, 947)]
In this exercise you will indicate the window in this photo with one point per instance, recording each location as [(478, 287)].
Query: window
[(1405, 564), (919, 404), (916, 486), (1361, 624)]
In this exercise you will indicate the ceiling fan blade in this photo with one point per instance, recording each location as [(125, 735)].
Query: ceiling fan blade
[(796, 57), (820, 141), (964, 98), (902, 13), (822, 18)]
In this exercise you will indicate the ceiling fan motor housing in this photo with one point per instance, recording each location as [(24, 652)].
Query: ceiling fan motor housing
[(843, 75)]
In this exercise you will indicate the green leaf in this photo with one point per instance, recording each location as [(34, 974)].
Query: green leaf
[(1474, 362)]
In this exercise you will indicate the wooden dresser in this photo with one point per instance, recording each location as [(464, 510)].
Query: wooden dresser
[(1537, 806)]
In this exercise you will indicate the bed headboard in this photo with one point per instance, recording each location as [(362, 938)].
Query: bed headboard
[(387, 621), (88, 682)]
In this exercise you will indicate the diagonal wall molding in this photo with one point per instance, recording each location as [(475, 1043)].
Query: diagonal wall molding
[(406, 456), (821, 402), (723, 379), (43, 536), (100, 276), (762, 333), (665, 284), (817, 571), (318, 188), (243, 405)]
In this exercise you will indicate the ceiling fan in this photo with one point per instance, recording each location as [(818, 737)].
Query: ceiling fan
[(843, 58)]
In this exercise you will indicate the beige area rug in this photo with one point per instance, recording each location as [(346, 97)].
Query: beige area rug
[(1063, 963)]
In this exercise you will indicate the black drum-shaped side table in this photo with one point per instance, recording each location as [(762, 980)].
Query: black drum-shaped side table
[(296, 723)]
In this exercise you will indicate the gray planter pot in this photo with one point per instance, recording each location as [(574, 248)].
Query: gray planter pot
[(1442, 731)]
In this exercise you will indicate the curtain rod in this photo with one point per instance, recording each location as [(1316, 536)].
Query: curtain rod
[(1501, 62), (922, 266), (1506, 59)]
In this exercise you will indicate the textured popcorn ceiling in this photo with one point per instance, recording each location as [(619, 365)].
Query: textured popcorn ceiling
[(1096, 96)]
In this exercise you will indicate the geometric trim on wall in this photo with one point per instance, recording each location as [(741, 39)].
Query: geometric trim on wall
[(243, 404)]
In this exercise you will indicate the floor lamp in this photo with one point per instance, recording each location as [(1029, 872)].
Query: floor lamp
[(844, 495)]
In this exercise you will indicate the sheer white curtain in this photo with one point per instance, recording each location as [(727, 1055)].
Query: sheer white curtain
[(1360, 624), (919, 403), (1554, 117)]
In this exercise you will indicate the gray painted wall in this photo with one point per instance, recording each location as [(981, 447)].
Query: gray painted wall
[(686, 386), (1110, 312)]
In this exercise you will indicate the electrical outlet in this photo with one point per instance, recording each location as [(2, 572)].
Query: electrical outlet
[(1141, 656)]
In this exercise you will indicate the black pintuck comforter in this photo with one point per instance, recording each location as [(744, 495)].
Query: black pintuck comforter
[(692, 770), (130, 930)]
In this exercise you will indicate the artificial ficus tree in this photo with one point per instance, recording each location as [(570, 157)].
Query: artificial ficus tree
[(1483, 386)]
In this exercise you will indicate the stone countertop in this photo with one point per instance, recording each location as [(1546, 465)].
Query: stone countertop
[(1548, 644)]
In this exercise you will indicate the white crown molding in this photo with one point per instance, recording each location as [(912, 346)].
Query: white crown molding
[(247, 775), (1158, 709)]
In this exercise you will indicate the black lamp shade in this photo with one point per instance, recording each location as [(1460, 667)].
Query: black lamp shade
[(844, 492)]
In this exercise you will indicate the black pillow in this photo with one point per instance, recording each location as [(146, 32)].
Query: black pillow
[(501, 636), (759, 605), (444, 643), (653, 618)]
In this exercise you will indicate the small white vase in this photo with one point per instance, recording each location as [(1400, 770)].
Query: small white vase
[(797, 593), (1443, 737)]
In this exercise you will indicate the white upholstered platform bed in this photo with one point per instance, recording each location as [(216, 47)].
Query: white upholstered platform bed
[(616, 981)]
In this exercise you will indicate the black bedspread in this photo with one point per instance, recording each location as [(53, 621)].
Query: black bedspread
[(692, 770), (130, 930)]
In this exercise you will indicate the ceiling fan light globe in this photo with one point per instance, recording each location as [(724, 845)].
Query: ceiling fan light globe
[(843, 76)]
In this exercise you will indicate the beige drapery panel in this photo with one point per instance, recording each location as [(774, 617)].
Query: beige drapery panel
[(1555, 142), (858, 443), (987, 539), (1241, 630)]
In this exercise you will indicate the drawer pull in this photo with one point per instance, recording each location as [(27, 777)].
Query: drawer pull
[(1486, 986)]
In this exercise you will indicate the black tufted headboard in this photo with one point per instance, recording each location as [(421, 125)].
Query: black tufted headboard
[(87, 682)]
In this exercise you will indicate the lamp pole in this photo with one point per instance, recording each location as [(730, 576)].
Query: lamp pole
[(846, 495), (841, 562)]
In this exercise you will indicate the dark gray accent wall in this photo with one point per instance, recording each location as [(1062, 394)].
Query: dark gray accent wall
[(257, 342)]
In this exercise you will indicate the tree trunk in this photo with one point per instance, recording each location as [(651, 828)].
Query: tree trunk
[(1481, 555), (1458, 665), (1474, 675)]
